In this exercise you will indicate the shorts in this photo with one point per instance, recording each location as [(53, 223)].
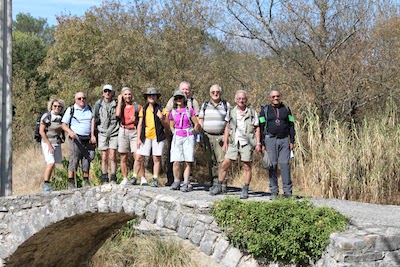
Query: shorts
[(127, 140), (52, 158), (104, 144), (246, 152), (182, 148), (151, 145)]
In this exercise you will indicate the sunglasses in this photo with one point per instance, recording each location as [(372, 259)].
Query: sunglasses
[(275, 96), (178, 97), (81, 98), (107, 91), (57, 106), (215, 92)]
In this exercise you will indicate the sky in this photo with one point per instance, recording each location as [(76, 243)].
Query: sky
[(48, 9)]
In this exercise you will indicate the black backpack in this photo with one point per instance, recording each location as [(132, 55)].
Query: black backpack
[(37, 136)]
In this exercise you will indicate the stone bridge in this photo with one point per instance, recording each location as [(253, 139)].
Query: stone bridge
[(66, 228)]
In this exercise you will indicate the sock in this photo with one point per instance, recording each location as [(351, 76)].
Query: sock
[(155, 176), (46, 182), (134, 174), (71, 180)]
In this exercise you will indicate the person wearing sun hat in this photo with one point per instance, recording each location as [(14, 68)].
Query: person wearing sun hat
[(151, 135)]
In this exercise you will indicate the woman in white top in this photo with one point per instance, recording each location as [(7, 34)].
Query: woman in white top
[(51, 133)]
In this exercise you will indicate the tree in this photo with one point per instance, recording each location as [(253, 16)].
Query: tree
[(27, 24)]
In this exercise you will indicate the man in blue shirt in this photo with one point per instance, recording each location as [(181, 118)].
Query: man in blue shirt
[(77, 123)]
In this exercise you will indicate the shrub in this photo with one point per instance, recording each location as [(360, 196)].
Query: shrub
[(284, 230)]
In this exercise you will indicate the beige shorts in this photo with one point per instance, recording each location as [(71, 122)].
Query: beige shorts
[(245, 152), (127, 140), (49, 157), (104, 144), (151, 145)]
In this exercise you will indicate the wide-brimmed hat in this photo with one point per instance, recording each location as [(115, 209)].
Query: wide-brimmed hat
[(179, 93), (107, 87), (151, 91)]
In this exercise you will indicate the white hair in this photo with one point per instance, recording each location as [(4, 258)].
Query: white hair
[(127, 89), (217, 86), (240, 92)]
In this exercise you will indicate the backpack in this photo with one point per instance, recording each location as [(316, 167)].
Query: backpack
[(135, 106), (97, 107), (265, 109), (174, 112), (71, 113), (205, 104), (37, 136)]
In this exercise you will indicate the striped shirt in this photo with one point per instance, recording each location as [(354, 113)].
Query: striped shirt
[(215, 117)]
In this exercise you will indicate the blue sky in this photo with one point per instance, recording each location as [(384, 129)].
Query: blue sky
[(50, 8)]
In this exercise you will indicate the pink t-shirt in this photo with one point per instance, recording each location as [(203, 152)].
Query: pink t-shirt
[(182, 121)]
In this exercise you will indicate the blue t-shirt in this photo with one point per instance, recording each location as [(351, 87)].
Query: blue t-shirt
[(81, 120)]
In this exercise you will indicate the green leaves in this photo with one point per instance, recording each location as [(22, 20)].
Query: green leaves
[(283, 230)]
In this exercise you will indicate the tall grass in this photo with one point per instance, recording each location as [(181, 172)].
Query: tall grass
[(349, 161)]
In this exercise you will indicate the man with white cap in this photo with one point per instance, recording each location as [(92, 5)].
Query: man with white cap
[(106, 124)]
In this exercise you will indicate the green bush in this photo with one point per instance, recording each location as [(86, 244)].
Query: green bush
[(284, 230)]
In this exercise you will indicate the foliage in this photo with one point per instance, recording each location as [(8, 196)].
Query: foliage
[(25, 23), (284, 230)]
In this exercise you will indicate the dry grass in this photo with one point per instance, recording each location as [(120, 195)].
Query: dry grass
[(148, 251)]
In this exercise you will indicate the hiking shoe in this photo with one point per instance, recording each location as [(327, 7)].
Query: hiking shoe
[(273, 196), (133, 181), (71, 184), (124, 181), (47, 187), (143, 181), (244, 194), (154, 182), (85, 183), (224, 187), (185, 188), (216, 189), (287, 196), (175, 185)]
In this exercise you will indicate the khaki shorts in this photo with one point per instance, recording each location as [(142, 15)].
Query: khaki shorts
[(246, 152), (127, 140), (182, 148), (56, 157), (104, 144), (151, 145)]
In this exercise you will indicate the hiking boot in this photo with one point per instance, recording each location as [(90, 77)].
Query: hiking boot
[(224, 187), (143, 181), (104, 179), (244, 194), (71, 184), (216, 189), (175, 185), (273, 196), (154, 182), (185, 188), (133, 180), (287, 196), (85, 182), (113, 179), (125, 181), (47, 187)]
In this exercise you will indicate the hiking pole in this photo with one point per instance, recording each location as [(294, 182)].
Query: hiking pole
[(207, 147), (75, 160)]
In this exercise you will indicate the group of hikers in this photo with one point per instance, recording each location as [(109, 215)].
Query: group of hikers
[(124, 125)]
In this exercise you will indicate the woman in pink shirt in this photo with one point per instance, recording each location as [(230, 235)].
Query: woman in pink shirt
[(183, 123)]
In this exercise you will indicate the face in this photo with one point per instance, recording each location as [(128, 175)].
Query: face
[(185, 88), (152, 99), (107, 94), (274, 97), (127, 96), (179, 100), (241, 100), (215, 94), (56, 107), (80, 99)]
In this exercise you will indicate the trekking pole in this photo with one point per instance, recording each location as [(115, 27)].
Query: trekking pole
[(207, 147), (75, 160)]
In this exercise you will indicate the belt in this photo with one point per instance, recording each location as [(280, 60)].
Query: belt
[(275, 136), (213, 134)]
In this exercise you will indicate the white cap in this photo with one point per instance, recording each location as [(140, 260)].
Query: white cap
[(107, 87)]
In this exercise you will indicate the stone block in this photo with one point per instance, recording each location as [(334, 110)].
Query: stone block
[(171, 220), (197, 233), (151, 212), (231, 258), (161, 213), (248, 261), (220, 248), (207, 243)]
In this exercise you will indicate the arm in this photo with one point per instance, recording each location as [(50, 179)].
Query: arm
[(196, 124), (92, 131), (172, 125), (139, 132), (226, 137), (42, 133), (68, 130), (118, 109), (258, 140), (292, 131)]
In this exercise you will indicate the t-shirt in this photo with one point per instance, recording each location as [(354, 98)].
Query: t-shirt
[(181, 121), (129, 118), (240, 134), (215, 117), (150, 131), (53, 123)]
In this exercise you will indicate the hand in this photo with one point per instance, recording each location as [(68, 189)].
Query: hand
[(159, 114), (93, 139), (139, 143), (258, 148), (263, 150), (72, 135), (50, 148), (291, 146), (225, 147)]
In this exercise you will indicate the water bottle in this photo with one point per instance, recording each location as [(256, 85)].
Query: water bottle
[(198, 138)]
